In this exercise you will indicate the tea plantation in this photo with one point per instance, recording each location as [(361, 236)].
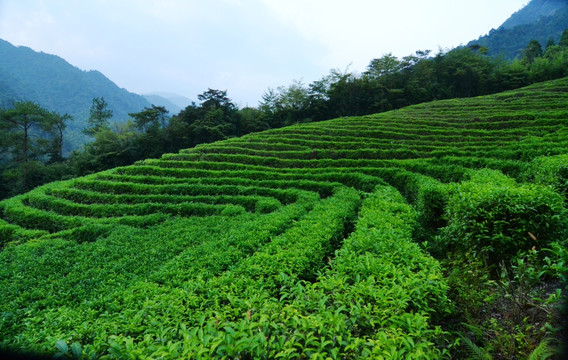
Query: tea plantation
[(379, 237)]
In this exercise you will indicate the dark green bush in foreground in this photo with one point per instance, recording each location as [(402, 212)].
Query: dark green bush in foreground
[(550, 170), (494, 217)]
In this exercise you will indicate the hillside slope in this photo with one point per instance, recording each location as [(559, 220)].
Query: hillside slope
[(299, 242), (533, 12), (27, 75), (540, 20)]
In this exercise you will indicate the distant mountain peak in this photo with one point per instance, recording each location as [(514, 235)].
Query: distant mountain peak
[(534, 11), (54, 84), (539, 20), (178, 100)]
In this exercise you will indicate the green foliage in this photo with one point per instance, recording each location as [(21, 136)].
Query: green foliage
[(493, 217), (59, 86), (31, 147), (303, 242), (519, 314), (99, 116), (475, 352), (540, 20), (543, 351), (551, 171)]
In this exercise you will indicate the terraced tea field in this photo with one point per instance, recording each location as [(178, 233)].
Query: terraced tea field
[(300, 242)]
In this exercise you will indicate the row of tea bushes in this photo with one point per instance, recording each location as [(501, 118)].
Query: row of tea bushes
[(378, 299)]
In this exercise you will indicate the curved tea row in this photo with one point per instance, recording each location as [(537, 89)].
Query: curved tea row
[(298, 242)]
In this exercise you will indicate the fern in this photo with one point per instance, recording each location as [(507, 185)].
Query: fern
[(475, 351), (543, 351)]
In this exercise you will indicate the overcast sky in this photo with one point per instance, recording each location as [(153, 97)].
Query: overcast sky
[(243, 46)]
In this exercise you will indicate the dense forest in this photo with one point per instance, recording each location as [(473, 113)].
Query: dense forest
[(32, 150), (541, 20)]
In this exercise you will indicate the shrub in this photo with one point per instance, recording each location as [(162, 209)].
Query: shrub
[(267, 205), (233, 210), (88, 233), (494, 217), (431, 202), (551, 171)]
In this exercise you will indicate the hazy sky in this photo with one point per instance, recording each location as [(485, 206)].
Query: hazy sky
[(243, 46)]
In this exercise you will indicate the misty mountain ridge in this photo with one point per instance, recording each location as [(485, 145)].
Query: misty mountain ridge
[(174, 103), (56, 85), (59, 86), (540, 20), (533, 11), (176, 99)]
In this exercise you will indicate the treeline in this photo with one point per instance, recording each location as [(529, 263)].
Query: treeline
[(31, 148), (391, 83)]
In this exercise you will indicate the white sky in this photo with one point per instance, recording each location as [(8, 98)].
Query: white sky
[(243, 46)]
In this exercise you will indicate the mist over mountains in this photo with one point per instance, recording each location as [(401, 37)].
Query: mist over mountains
[(59, 86), (174, 103)]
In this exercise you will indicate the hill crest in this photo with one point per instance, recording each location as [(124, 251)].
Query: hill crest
[(53, 83)]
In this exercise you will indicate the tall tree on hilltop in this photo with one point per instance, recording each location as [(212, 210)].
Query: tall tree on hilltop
[(59, 124), (99, 116), (150, 119), (564, 39), (532, 51), (18, 125), (213, 98), (31, 135), (217, 117), (385, 65)]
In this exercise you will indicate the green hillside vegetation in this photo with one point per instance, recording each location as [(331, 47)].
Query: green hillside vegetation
[(533, 12), (54, 84), (389, 83), (541, 20), (430, 232)]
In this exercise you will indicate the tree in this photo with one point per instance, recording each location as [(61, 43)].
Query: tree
[(385, 65), (251, 120), (59, 124), (216, 99), (532, 51), (31, 135), (287, 104), (19, 124), (99, 116), (218, 116), (549, 44), (294, 96), (150, 119), (110, 148), (564, 39)]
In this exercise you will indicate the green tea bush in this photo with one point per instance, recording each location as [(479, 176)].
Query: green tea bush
[(232, 210), (302, 249), (551, 171), (377, 299), (267, 205), (18, 213), (87, 233), (430, 204), (494, 217), (10, 232)]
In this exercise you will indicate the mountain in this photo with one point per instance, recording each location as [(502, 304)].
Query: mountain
[(165, 102), (540, 20), (178, 100), (533, 11), (59, 86)]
